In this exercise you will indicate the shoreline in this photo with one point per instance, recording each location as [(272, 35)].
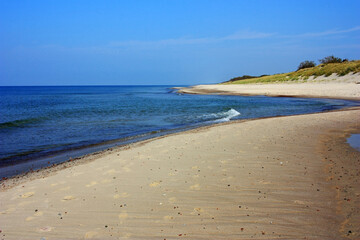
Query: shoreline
[(191, 198), (345, 91), (58, 157), (35, 163), (34, 174)]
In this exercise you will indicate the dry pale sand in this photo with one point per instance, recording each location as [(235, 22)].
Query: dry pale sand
[(341, 88), (278, 178)]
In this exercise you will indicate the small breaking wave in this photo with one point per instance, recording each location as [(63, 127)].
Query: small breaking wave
[(19, 123), (220, 116), (207, 118), (226, 116)]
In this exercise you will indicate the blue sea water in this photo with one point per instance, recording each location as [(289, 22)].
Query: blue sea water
[(45, 125)]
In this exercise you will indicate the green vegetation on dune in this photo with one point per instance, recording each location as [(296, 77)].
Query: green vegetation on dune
[(327, 69), (245, 77)]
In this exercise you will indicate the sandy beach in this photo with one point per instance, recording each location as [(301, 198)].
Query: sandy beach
[(277, 178), (179, 120), (339, 88)]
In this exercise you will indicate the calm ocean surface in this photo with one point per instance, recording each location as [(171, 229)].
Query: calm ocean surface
[(44, 125)]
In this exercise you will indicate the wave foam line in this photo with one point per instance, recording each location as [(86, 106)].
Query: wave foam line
[(228, 115)]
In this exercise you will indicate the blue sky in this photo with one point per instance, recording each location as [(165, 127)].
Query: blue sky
[(168, 42)]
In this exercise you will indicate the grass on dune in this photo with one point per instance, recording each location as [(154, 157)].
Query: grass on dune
[(340, 69)]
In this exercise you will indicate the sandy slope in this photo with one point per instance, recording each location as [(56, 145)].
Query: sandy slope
[(335, 89), (278, 178)]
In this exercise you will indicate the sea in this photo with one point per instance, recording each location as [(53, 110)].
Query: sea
[(42, 126)]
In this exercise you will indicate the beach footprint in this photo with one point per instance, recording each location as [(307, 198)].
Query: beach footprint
[(110, 172), (91, 184), (127, 168), (123, 215), (29, 219), (125, 195), (7, 211), (168, 218), (64, 188), (68, 198), (105, 181), (155, 184), (227, 179), (265, 182), (27, 195), (195, 187), (126, 235), (23, 204), (122, 195), (38, 214), (91, 234)]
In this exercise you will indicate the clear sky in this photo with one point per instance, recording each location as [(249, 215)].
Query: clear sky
[(168, 42)]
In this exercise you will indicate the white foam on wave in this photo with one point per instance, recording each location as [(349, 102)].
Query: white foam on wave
[(224, 116), (229, 115)]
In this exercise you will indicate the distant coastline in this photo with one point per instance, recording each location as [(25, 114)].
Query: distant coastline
[(334, 78), (333, 86)]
